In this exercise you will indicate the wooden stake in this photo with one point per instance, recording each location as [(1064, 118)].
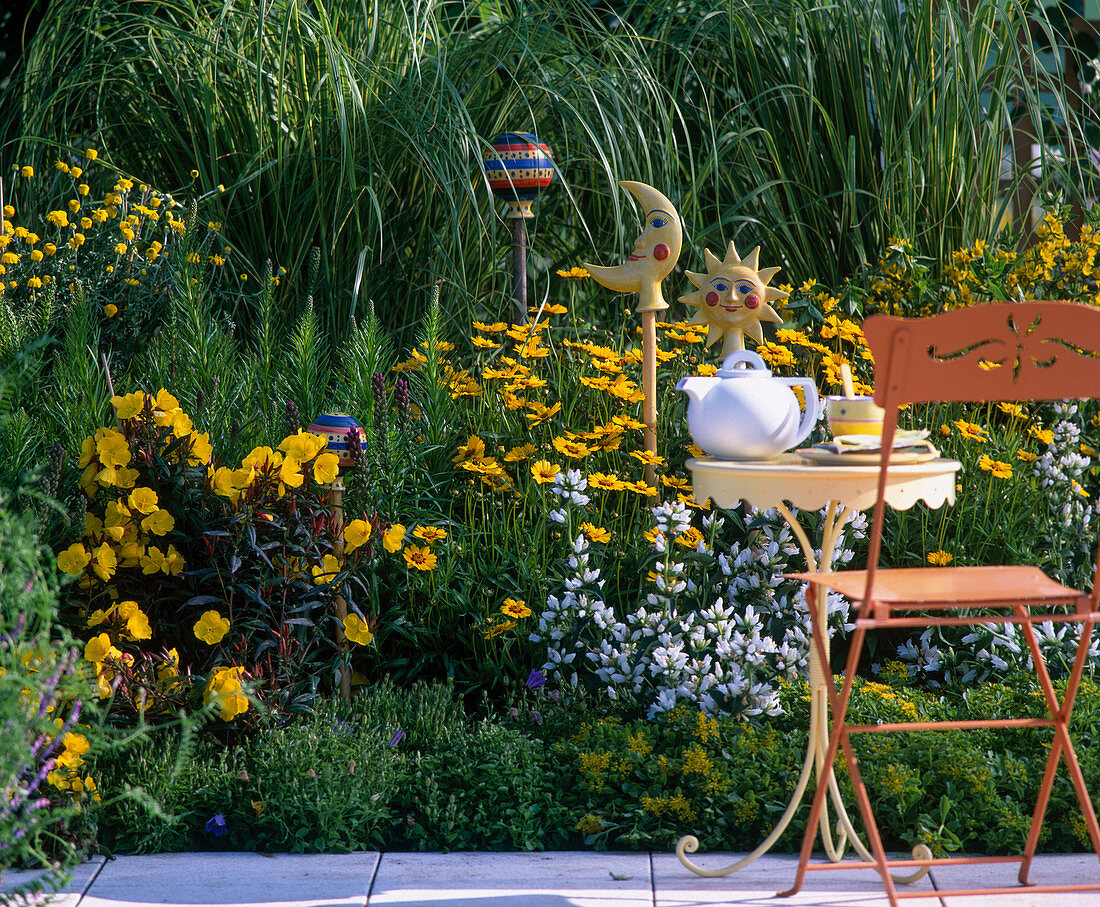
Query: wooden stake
[(649, 391), (519, 268), (336, 502)]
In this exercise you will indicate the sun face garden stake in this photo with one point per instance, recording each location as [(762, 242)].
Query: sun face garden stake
[(337, 427), (655, 254), (517, 167)]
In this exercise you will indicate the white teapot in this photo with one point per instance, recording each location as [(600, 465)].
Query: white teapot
[(744, 413)]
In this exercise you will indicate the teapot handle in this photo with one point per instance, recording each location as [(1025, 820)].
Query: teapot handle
[(809, 418)]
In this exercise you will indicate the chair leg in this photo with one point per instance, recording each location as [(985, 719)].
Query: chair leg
[(838, 707), (1061, 745)]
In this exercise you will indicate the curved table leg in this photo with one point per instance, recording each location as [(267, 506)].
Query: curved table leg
[(817, 745)]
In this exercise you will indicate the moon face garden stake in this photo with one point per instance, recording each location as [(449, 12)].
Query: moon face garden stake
[(656, 251)]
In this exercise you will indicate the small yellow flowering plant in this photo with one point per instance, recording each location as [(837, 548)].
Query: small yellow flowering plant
[(199, 579)]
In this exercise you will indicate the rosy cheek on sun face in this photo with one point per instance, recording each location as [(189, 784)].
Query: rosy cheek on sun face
[(660, 251), (712, 298), (752, 301)]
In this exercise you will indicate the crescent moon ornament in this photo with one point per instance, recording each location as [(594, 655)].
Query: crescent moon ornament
[(655, 254), (733, 298)]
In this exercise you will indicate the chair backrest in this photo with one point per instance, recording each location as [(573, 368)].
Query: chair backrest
[(1014, 351), (997, 351)]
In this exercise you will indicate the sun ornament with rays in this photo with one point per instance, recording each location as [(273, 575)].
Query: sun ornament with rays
[(733, 297)]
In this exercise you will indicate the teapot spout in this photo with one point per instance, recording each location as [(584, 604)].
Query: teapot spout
[(696, 387)]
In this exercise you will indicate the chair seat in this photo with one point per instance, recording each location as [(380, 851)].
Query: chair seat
[(945, 586)]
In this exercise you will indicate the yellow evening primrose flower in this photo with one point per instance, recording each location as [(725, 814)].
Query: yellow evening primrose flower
[(211, 628), (326, 467), (515, 608), (137, 625), (74, 559), (202, 451), (112, 448), (940, 558), (419, 557), (430, 534), (104, 562), (356, 534), (325, 572), (143, 500), (290, 473), (303, 446), (393, 538), (159, 522), (153, 561), (357, 630), (97, 648), (175, 561), (224, 688)]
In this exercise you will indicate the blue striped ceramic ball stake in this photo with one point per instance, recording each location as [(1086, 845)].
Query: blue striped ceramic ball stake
[(517, 167), (337, 427)]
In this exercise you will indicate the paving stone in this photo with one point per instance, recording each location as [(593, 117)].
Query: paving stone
[(560, 879), (69, 897), (237, 879), (675, 885), (1046, 869)]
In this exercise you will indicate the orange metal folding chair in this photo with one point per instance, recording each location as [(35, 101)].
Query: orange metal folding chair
[(1000, 351)]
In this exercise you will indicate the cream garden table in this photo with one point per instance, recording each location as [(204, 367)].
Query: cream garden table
[(840, 489)]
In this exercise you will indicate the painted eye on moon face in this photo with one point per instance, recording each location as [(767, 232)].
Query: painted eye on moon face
[(658, 222)]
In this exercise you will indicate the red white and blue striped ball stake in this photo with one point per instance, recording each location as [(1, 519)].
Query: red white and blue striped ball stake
[(517, 167), (336, 427)]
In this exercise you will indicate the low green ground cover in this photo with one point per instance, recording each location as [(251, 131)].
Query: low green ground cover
[(412, 769)]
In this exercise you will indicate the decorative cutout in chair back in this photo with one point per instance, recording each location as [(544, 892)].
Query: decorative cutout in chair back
[(997, 351)]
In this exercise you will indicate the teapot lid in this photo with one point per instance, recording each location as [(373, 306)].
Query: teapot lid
[(753, 366)]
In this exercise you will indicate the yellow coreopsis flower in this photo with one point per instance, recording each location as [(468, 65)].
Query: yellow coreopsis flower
[(515, 608), (393, 538), (648, 457), (516, 454), (940, 558), (544, 471), (211, 628), (430, 534), (420, 557), (357, 630), (570, 448), (356, 534), (596, 533), (74, 559)]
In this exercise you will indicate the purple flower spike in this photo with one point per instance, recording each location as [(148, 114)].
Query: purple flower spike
[(398, 736), (536, 679), (216, 825)]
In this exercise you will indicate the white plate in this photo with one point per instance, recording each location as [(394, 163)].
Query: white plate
[(865, 458)]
